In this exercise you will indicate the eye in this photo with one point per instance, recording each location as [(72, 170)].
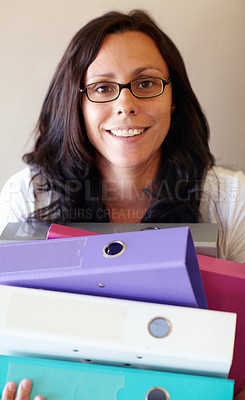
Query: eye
[(145, 84), (103, 87)]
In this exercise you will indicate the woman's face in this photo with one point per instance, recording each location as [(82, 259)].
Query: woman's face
[(122, 58)]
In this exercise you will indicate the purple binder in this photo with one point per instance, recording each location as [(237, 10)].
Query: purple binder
[(156, 266)]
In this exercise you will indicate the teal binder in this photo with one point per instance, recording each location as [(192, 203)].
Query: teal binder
[(63, 380)]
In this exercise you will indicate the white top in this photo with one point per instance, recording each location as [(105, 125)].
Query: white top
[(222, 202)]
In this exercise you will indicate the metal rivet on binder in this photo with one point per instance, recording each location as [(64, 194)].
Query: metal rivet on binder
[(159, 327), (150, 227), (157, 393), (114, 248)]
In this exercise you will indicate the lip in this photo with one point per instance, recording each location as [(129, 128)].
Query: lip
[(137, 135), (127, 127)]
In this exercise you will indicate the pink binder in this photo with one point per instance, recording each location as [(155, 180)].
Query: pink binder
[(224, 284), (57, 231)]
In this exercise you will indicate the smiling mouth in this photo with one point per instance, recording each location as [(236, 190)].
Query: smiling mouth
[(127, 132)]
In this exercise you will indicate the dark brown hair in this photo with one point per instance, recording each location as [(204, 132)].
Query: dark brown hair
[(64, 156)]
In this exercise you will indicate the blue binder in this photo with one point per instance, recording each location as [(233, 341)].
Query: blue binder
[(64, 380)]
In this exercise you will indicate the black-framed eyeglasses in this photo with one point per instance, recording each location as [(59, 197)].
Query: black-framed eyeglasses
[(142, 88)]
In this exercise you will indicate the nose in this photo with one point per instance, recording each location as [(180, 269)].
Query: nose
[(126, 103)]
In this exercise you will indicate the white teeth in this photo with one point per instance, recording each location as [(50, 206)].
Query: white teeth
[(126, 133)]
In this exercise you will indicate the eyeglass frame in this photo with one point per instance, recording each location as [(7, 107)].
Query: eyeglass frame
[(126, 86)]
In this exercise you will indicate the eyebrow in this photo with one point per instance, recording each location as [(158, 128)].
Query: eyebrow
[(136, 72)]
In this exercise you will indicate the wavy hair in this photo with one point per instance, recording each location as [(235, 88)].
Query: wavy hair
[(65, 158)]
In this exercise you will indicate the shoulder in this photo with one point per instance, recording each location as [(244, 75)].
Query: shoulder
[(223, 202), (223, 185), (17, 198), (226, 178), (18, 184)]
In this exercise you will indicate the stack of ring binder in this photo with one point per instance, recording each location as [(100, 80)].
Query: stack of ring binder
[(120, 316), (205, 235)]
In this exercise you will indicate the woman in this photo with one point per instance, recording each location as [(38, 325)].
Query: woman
[(83, 168), (122, 138)]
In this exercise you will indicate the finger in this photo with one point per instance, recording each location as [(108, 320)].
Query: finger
[(24, 389), (9, 391), (241, 394)]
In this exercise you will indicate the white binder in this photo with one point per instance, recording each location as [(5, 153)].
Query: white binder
[(117, 332)]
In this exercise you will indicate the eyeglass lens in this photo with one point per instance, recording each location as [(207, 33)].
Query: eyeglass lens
[(143, 87)]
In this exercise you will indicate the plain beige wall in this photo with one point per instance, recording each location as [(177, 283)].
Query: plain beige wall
[(209, 33)]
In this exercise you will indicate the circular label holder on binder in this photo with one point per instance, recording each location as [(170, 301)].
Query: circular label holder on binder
[(159, 327), (157, 393), (114, 248)]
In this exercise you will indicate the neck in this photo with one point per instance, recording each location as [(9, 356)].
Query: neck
[(123, 189)]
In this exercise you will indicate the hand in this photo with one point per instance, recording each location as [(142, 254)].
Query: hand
[(241, 394), (23, 392)]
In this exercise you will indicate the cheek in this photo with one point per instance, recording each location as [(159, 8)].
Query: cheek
[(93, 114), (163, 116), (91, 119)]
